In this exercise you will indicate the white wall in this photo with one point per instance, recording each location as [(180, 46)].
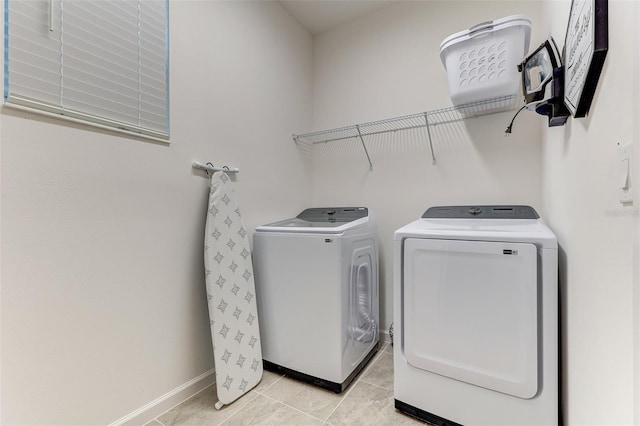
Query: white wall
[(636, 250), (102, 293), (596, 233), (103, 299), (387, 64)]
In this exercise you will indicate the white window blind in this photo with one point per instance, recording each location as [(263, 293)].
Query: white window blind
[(103, 61)]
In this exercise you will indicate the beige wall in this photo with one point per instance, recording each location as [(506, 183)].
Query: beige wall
[(385, 65), (596, 233), (103, 301)]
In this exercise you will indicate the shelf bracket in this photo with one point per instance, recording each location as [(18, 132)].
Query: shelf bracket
[(433, 157), (364, 147)]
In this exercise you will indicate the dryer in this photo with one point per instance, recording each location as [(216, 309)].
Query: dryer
[(317, 292), (476, 317)]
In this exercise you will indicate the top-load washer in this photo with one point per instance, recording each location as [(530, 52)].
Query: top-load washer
[(476, 317), (317, 292)]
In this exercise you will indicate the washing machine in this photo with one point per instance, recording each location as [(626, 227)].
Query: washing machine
[(316, 281), (476, 317)]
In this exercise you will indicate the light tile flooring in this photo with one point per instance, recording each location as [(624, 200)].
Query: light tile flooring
[(279, 400)]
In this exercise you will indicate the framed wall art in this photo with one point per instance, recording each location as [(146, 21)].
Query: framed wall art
[(586, 45)]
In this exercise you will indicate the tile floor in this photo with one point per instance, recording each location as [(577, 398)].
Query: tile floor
[(279, 400)]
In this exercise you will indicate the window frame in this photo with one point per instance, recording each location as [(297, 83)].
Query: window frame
[(21, 102)]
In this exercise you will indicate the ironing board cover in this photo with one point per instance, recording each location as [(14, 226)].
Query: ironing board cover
[(231, 295)]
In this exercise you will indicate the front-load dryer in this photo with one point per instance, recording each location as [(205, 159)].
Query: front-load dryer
[(476, 317), (317, 292)]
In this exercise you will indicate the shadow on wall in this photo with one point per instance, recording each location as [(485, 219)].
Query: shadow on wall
[(305, 150), (456, 136), (562, 332), (387, 146), (71, 123)]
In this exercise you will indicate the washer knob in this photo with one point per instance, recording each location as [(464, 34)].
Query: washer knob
[(475, 210)]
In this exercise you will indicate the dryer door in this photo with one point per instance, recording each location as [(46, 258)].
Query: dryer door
[(470, 312)]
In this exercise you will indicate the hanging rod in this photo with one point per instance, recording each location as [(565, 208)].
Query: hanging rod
[(211, 168)]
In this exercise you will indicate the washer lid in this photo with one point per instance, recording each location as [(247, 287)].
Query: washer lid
[(321, 220)]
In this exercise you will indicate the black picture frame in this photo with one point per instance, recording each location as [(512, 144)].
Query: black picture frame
[(586, 46)]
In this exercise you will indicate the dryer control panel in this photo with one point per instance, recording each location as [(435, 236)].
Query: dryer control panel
[(481, 212)]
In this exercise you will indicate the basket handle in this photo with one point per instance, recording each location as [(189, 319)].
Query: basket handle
[(480, 28)]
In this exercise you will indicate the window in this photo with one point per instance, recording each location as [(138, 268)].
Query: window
[(102, 61)]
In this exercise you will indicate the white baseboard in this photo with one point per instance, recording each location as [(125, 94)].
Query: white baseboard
[(167, 401), (384, 336)]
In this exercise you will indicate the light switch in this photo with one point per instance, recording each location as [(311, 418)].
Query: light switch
[(624, 174), (624, 157)]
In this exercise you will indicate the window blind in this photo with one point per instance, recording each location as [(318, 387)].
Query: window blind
[(103, 61)]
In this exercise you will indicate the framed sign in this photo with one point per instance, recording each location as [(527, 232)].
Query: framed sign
[(586, 45)]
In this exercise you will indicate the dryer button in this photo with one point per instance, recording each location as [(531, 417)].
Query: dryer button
[(475, 210)]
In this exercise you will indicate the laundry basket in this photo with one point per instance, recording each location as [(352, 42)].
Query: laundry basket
[(481, 62)]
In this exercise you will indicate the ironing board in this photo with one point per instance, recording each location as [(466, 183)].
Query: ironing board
[(231, 293)]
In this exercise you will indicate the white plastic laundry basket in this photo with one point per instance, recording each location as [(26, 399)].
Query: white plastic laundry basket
[(481, 62)]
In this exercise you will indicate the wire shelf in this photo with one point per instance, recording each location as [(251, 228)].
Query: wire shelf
[(414, 121)]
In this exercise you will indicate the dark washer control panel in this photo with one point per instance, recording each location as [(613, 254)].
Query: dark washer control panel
[(481, 212), (333, 214)]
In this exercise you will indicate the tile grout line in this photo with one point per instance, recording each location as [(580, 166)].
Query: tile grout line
[(378, 386), (324, 421), (351, 386), (257, 393), (261, 392), (378, 356), (182, 402), (370, 364), (158, 421), (358, 380), (249, 401), (289, 406)]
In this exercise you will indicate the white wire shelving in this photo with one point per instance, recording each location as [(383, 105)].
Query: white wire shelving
[(426, 119)]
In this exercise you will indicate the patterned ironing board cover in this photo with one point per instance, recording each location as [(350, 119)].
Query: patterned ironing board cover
[(231, 293)]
